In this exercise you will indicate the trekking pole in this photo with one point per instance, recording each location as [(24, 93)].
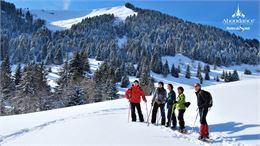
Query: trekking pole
[(195, 120), (129, 111), (158, 115), (146, 110), (149, 115)]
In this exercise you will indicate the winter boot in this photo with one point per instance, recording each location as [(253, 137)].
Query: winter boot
[(182, 125), (203, 131), (207, 131), (168, 124), (173, 128), (163, 121)]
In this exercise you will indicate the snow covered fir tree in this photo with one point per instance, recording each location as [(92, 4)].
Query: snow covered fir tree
[(62, 66)]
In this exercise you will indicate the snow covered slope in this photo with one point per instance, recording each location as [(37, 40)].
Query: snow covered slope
[(183, 61), (57, 21), (234, 120), (54, 15)]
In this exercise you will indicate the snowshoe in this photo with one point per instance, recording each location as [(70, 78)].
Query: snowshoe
[(167, 124), (205, 139), (173, 128), (183, 131)]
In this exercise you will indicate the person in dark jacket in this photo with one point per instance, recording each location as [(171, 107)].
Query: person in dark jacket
[(158, 101), (203, 110), (171, 108), (134, 95)]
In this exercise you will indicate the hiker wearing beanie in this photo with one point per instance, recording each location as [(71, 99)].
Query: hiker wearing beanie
[(158, 101), (204, 102), (134, 95)]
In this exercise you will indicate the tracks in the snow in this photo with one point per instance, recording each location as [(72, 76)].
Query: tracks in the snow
[(218, 139), (20, 132)]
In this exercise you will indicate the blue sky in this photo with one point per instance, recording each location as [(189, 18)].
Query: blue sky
[(211, 12)]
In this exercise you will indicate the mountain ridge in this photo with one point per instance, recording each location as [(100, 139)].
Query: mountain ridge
[(150, 33)]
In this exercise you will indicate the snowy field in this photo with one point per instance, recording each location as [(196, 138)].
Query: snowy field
[(233, 122), (234, 119)]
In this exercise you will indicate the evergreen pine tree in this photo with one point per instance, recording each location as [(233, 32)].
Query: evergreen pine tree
[(18, 75), (198, 70), (206, 68), (228, 77), (174, 71), (130, 69), (225, 76), (58, 58), (64, 75), (234, 76), (156, 64), (217, 79), (118, 75), (207, 75), (78, 65), (179, 69), (77, 97), (188, 73), (146, 81), (247, 72), (125, 81), (138, 70), (222, 75), (41, 77), (165, 70), (111, 90), (7, 83), (84, 60), (49, 70), (33, 90)]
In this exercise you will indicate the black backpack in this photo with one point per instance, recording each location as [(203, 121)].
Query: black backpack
[(187, 104), (208, 97)]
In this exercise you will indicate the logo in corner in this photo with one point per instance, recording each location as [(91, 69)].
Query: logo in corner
[(238, 14), (238, 21)]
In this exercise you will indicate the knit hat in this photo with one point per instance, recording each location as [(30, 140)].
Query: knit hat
[(161, 83), (136, 81), (197, 84)]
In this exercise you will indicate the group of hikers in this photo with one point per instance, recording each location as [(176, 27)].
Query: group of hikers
[(173, 103)]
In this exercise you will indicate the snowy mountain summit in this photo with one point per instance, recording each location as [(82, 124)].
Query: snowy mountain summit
[(121, 12)]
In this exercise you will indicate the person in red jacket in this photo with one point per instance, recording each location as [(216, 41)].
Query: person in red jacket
[(134, 95)]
